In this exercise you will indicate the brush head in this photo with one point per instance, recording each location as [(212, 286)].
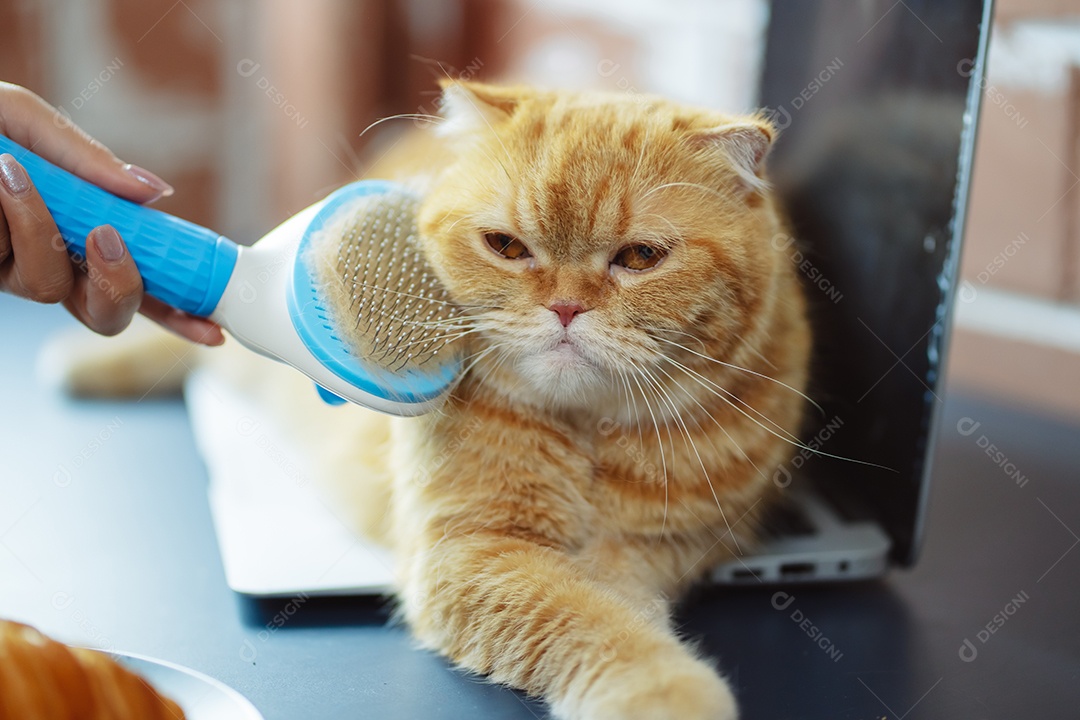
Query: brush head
[(366, 303), (390, 305)]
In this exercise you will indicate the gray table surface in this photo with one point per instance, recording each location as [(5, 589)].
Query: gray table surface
[(106, 539)]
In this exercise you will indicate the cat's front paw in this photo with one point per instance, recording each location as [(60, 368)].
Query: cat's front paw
[(680, 689)]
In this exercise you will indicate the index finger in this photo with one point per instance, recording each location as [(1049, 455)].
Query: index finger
[(38, 126)]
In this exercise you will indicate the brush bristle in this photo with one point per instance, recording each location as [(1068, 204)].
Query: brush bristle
[(380, 292)]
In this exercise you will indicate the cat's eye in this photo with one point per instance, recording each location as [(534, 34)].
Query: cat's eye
[(507, 245), (638, 257)]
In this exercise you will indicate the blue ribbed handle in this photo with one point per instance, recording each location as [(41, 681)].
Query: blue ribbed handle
[(181, 263)]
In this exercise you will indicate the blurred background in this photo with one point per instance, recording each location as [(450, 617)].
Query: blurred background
[(253, 110)]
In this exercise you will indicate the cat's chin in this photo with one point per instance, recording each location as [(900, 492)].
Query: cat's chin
[(563, 376)]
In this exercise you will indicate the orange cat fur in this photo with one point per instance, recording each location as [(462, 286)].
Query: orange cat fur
[(582, 477), (544, 520)]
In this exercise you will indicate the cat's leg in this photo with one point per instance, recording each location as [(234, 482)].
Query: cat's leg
[(144, 360), (652, 569), (655, 571), (527, 615)]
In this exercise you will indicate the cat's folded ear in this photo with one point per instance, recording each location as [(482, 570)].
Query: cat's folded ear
[(744, 145), (469, 106)]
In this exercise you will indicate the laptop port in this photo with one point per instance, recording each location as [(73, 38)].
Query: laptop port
[(796, 570), (746, 574)]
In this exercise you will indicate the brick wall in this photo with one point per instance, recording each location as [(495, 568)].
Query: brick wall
[(20, 60), (254, 108), (643, 46), (1018, 323)]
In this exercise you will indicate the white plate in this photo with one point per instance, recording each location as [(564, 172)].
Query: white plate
[(200, 697)]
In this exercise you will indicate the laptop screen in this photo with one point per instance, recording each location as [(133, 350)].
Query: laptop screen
[(877, 102)]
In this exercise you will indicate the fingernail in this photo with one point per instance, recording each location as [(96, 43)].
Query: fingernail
[(13, 176), (107, 242), (149, 179)]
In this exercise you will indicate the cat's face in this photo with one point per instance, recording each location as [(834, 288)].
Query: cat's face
[(579, 229)]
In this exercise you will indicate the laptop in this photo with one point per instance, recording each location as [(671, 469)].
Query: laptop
[(877, 101)]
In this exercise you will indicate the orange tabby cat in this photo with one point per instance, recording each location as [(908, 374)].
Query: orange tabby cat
[(638, 348), (617, 427)]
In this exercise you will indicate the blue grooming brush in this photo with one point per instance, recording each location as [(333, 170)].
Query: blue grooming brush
[(339, 291)]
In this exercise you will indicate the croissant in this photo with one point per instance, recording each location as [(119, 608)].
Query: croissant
[(41, 679)]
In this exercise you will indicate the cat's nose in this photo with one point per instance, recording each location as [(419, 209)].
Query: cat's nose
[(566, 311)]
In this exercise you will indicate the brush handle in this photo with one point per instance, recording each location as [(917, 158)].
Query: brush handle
[(181, 263)]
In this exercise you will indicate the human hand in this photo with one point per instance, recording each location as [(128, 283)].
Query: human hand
[(104, 289)]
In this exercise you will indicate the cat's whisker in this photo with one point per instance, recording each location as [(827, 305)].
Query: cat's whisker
[(448, 323), (494, 160), (656, 424), (641, 157), (419, 335), (461, 322), (769, 430), (481, 351), (675, 230), (433, 339), (416, 326), (432, 64), (761, 356), (706, 382), (716, 422), (732, 440), (650, 330), (763, 376), (671, 442), (635, 416), (478, 357), (413, 329), (435, 301), (696, 186), (689, 440), (631, 415), (497, 365), (659, 441), (483, 117), (454, 224), (477, 360), (426, 336), (433, 119)]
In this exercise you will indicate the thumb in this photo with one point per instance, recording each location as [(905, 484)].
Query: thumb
[(33, 123)]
